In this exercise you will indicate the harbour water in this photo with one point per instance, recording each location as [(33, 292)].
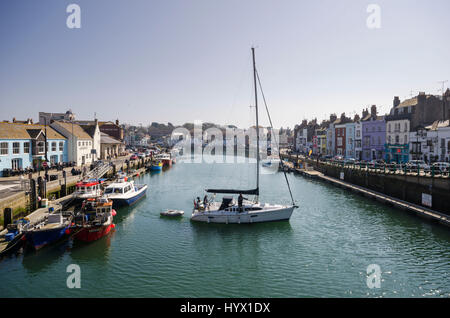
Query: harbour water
[(323, 251)]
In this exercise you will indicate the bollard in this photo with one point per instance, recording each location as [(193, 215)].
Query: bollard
[(7, 217)]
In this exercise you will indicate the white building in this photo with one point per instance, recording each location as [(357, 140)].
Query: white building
[(358, 140), (80, 146), (431, 144)]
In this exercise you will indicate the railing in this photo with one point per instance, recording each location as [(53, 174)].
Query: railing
[(99, 171), (383, 168)]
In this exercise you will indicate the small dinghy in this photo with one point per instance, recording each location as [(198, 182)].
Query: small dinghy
[(172, 213)]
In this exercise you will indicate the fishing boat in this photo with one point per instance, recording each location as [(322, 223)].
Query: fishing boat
[(14, 237), (243, 210), (95, 219), (165, 158), (156, 165), (53, 227), (88, 189), (124, 192), (172, 213)]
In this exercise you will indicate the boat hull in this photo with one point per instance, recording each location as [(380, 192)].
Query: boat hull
[(156, 168), (39, 239), (119, 202), (89, 234), (281, 214)]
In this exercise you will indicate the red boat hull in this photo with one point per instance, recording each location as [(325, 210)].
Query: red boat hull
[(89, 234)]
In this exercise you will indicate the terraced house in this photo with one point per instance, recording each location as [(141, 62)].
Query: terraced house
[(23, 145)]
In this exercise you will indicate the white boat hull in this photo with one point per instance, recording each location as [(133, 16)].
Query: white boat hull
[(226, 217)]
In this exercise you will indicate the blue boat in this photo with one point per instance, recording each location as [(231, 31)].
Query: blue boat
[(156, 166), (124, 192), (53, 228)]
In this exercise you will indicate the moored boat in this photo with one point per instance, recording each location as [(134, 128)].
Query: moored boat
[(95, 219), (156, 165), (123, 192), (244, 210), (52, 228), (88, 189), (165, 158), (172, 213)]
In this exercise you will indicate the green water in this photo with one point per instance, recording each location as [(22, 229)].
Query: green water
[(323, 251)]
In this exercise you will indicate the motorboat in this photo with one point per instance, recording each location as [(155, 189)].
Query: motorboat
[(172, 213), (88, 189), (124, 192), (51, 228), (95, 219)]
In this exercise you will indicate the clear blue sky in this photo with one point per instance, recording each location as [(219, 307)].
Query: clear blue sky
[(182, 60)]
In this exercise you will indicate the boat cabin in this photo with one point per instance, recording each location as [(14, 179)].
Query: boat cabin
[(88, 188), (119, 188)]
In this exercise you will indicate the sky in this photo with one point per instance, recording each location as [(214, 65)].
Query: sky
[(184, 60)]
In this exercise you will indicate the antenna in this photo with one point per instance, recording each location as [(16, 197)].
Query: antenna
[(443, 83)]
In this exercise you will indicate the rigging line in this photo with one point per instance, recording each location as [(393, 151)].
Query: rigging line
[(276, 142)]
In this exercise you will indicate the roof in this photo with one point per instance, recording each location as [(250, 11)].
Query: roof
[(107, 139), (439, 124), (369, 117), (26, 131), (77, 130), (408, 102)]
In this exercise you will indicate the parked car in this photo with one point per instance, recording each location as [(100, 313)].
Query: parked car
[(141, 155), (441, 167), (413, 165), (350, 161), (133, 157)]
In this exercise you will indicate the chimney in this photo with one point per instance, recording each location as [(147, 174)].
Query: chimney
[(421, 97), (365, 112), (333, 118), (356, 118), (396, 101), (373, 111), (14, 119), (117, 122)]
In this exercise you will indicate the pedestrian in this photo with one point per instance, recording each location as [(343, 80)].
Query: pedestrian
[(240, 201)]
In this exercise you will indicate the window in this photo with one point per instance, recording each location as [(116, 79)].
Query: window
[(54, 146), (339, 141), (3, 148), (26, 147), (16, 148), (406, 139), (389, 139), (40, 147), (79, 143), (61, 158), (61, 146), (397, 139), (358, 133), (406, 126), (379, 140), (389, 127)]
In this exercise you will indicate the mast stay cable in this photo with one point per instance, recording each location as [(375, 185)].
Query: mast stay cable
[(276, 141)]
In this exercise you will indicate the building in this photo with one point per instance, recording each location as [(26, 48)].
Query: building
[(331, 139), (300, 137), (108, 127), (373, 135), (340, 135), (431, 143), (24, 146), (110, 147), (46, 118), (350, 140), (358, 138), (80, 146)]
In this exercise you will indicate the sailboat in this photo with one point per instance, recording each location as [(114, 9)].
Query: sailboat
[(243, 210)]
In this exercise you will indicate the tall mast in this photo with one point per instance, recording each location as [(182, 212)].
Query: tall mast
[(257, 124)]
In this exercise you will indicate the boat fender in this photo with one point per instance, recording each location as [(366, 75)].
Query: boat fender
[(113, 212), (67, 231), (113, 225)]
